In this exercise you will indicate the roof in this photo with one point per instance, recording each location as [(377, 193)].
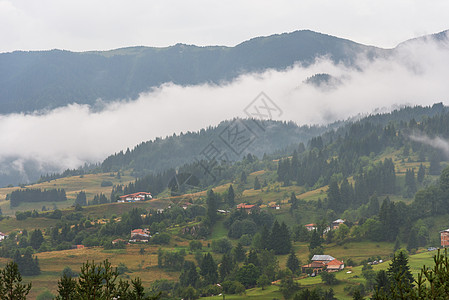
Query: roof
[(322, 257), (310, 225), (335, 262), (339, 221), (136, 194), (446, 230), (246, 206)]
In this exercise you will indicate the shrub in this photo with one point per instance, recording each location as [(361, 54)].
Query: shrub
[(105, 183)]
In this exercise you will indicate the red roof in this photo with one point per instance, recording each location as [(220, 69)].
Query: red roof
[(136, 195), (245, 206), (335, 262), (310, 225)]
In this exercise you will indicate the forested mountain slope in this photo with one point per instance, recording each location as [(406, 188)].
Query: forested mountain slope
[(47, 79)]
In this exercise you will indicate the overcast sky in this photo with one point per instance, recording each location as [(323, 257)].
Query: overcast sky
[(97, 25)]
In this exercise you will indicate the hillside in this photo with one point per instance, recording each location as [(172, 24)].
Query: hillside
[(56, 78), (388, 189)]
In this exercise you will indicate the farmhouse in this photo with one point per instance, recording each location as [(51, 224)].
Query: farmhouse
[(140, 196), (337, 223), (140, 235), (249, 208), (335, 265), (323, 262), (444, 234), (116, 241), (310, 226), (2, 236)]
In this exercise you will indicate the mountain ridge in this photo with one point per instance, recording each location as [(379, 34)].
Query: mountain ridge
[(48, 79)]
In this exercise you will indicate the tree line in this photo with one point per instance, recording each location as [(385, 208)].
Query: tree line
[(36, 195)]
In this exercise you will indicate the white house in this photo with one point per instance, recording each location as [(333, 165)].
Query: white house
[(2, 236)]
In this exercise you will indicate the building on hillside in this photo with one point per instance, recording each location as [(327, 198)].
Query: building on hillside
[(186, 205), (140, 196), (322, 258), (116, 241), (323, 262), (249, 208), (337, 223), (335, 265), (315, 267), (310, 227), (444, 234), (78, 247), (140, 235), (2, 236)]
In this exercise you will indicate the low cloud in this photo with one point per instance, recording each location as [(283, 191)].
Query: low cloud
[(67, 137), (436, 142)]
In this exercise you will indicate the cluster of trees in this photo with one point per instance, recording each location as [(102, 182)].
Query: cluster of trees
[(36, 195), (99, 281)]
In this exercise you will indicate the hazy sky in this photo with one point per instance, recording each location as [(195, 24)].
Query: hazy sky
[(416, 75), (104, 24)]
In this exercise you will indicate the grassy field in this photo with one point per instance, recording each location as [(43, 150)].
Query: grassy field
[(90, 183), (106, 211), (52, 264), (353, 278)]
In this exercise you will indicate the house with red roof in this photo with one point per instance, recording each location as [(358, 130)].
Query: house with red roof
[(323, 262), (249, 208), (140, 196), (310, 226), (140, 235), (335, 265)]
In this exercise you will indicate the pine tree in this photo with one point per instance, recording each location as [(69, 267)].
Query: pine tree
[(189, 275), (421, 173), (315, 240), (275, 238), (239, 252), (334, 196), (36, 239), (211, 202), (256, 183), (346, 193), (66, 288), (243, 177), (230, 199), (208, 269), (293, 201), (284, 244), (226, 266), (81, 198), (382, 282), (399, 272), (293, 263), (11, 286), (412, 239), (253, 258)]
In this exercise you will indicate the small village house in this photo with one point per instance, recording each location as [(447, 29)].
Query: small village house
[(2, 236), (249, 208), (310, 227), (116, 241), (140, 235), (337, 223), (323, 262), (140, 196)]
